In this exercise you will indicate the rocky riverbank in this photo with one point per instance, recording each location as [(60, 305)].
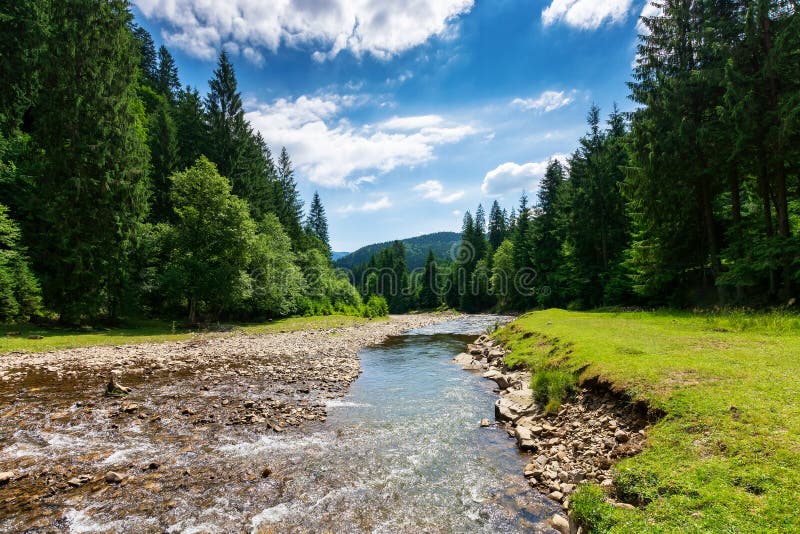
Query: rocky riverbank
[(579, 444), (65, 443)]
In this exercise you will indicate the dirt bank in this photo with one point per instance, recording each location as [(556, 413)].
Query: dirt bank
[(580, 443)]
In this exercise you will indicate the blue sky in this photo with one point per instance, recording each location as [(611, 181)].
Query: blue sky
[(405, 114)]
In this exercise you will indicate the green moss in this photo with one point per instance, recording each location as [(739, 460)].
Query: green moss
[(726, 457)]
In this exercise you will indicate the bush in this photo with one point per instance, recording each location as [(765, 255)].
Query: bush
[(551, 387), (376, 306), (591, 509)]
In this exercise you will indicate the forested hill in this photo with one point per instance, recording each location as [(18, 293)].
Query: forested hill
[(442, 243)]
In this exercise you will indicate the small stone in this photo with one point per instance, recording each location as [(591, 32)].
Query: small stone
[(624, 506), (556, 496), (266, 472), (485, 423), (152, 466), (225, 402), (6, 477), (129, 407), (79, 480), (112, 477), (621, 436), (560, 523)]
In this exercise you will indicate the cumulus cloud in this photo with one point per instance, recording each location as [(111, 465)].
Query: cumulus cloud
[(382, 29), (513, 177), (586, 14), (328, 151), (548, 101), (412, 123), (434, 190), (369, 206)]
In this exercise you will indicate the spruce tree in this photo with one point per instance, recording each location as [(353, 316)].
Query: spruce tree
[(428, 294), (317, 222), (91, 127), (288, 203), (167, 81), (190, 127), (497, 226)]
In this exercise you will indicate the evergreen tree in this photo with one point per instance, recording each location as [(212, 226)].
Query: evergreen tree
[(428, 293), (497, 226), (20, 296), (190, 127), (546, 232), (162, 138), (288, 203), (167, 81), (91, 126), (25, 27), (317, 222), (148, 65), (521, 286)]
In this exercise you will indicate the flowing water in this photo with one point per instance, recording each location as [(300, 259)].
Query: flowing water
[(402, 452)]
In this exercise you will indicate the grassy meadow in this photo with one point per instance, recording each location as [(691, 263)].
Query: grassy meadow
[(726, 456)]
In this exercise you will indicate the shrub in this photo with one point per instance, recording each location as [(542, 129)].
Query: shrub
[(551, 387), (376, 306), (591, 509)]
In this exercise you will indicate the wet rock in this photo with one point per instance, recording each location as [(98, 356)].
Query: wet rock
[(152, 466), (463, 359), (485, 423), (6, 477), (621, 436), (556, 496), (560, 523), (112, 477), (266, 473), (79, 480), (115, 389), (129, 407)]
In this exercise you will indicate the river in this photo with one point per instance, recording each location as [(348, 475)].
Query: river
[(401, 452)]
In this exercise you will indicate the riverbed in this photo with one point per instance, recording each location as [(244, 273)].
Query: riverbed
[(402, 451)]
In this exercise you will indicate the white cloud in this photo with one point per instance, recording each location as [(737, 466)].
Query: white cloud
[(328, 151), (354, 184), (513, 177), (548, 101), (367, 207), (586, 14), (412, 123), (434, 190), (382, 29)]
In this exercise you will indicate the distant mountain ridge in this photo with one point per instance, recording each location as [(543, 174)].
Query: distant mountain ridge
[(338, 255), (442, 244)]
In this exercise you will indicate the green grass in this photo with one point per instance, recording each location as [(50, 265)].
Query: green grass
[(54, 338), (726, 457)]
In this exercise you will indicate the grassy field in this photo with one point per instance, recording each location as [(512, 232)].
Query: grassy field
[(18, 338), (726, 457)]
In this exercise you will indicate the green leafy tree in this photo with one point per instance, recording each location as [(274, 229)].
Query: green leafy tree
[(212, 243), (503, 272), (278, 283)]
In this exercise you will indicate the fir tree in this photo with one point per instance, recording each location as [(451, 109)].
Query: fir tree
[(317, 222)]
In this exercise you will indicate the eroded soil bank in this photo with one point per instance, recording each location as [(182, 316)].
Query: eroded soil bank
[(64, 446), (580, 443)]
